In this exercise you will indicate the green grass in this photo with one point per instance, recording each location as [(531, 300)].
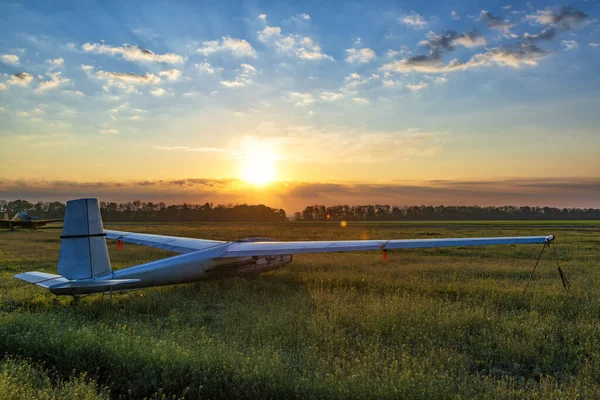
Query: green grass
[(430, 323), (22, 379)]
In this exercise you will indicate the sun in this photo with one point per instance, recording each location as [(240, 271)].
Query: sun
[(258, 167)]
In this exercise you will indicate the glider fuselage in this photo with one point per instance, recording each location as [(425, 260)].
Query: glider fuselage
[(186, 268)]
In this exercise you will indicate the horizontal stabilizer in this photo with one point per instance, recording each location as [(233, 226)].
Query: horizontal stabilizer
[(60, 285), (36, 277), (42, 279), (89, 286), (105, 283)]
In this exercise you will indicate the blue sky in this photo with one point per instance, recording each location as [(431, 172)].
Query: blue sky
[(354, 92)]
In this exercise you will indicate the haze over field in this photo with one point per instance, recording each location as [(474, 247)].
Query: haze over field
[(291, 104)]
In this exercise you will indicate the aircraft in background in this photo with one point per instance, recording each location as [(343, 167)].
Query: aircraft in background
[(24, 220), (84, 265)]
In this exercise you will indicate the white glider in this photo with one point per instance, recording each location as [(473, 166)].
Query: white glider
[(84, 265)]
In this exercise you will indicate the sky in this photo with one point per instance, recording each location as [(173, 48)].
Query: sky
[(298, 103)]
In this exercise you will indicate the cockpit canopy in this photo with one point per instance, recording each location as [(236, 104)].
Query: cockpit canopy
[(22, 216)]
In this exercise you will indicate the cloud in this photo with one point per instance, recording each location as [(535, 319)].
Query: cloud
[(303, 16), (311, 144), (361, 56), (78, 93), (237, 47), (547, 34), (447, 41), (263, 17), (9, 59), (438, 80), (2, 87), (542, 192), (553, 192), (171, 74), (56, 62), (109, 131), (300, 46), (470, 39), (158, 92), (570, 44), (126, 81), (404, 50), (507, 56), (243, 78), (55, 81), (126, 109), (438, 44), (355, 80), (330, 96), (455, 15), (494, 22), (413, 20), (416, 86), (121, 107), (129, 77), (86, 68), (522, 53), (20, 78), (565, 17), (594, 44), (191, 149), (206, 67), (133, 53), (247, 68), (360, 100), (300, 99), (517, 56)]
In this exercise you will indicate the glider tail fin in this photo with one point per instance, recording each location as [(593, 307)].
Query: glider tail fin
[(83, 251)]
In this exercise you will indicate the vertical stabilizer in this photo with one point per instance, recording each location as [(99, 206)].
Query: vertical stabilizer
[(83, 252)]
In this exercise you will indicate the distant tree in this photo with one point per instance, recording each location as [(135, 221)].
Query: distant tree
[(149, 211), (380, 212)]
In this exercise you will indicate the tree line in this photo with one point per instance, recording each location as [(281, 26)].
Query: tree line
[(138, 211), (149, 211), (441, 213)]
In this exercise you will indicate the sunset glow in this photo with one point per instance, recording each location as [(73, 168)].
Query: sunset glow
[(259, 164), (438, 104)]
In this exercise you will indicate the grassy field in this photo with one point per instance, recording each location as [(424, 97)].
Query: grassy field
[(432, 323)]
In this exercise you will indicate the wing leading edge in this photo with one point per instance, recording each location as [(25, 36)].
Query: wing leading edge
[(270, 248), (242, 249), (172, 243)]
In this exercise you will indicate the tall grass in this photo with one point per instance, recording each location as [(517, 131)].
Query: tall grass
[(22, 379), (435, 323)]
